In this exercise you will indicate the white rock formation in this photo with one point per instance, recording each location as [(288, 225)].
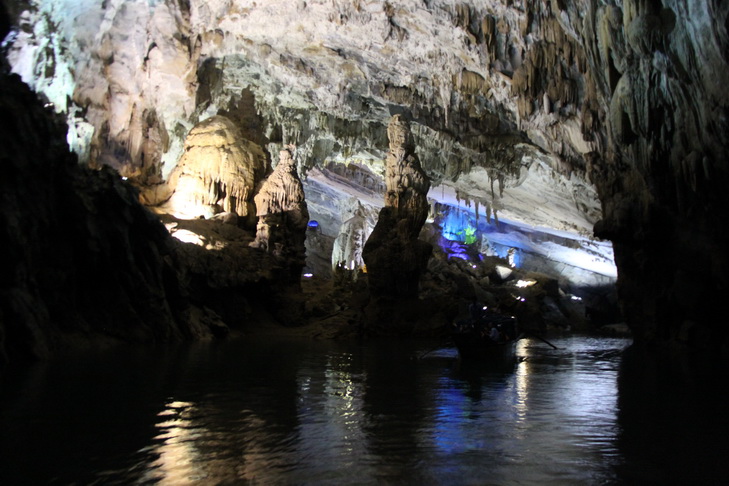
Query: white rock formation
[(519, 107), (128, 70), (348, 246), (529, 108), (326, 77)]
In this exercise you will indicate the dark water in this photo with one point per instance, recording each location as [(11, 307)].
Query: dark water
[(292, 412)]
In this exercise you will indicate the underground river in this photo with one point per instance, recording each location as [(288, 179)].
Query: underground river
[(288, 411)]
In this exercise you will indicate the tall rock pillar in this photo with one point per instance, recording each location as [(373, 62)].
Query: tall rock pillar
[(283, 215), (393, 254)]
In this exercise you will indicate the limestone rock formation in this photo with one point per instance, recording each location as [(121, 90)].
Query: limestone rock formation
[(283, 215), (218, 172), (662, 180), (393, 254), (407, 184), (85, 264), (349, 244)]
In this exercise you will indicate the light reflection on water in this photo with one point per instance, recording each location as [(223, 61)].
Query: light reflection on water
[(320, 413)]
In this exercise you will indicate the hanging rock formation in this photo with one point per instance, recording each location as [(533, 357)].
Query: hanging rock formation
[(393, 254), (218, 172), (283, 215)]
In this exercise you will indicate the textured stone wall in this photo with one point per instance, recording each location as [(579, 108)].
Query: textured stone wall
[(218, 172), (81, 258)]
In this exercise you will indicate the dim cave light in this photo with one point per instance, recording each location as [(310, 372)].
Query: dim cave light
[(308, 275), (525, 283)]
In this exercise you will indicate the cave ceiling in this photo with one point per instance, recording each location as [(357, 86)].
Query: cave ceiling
[(504, 105)]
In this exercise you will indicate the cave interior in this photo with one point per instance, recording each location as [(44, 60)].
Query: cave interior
[(180, 169)]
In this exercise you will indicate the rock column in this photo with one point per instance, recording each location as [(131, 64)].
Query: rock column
[(283, 215), (393, 254), (348, 246)]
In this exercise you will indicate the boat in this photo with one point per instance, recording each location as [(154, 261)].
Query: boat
[(491, 337)]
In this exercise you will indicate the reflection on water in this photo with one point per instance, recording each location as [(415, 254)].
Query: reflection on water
[(330, 413), (674, 418)]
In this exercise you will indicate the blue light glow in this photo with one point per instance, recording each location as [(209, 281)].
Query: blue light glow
[(455, 226)]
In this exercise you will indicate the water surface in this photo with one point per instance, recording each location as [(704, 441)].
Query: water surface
[(266, 411)]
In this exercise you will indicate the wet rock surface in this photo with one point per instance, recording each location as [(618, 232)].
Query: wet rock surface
[(80, 255), (84, 263)]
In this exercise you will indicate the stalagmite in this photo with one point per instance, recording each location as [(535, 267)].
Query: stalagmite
[(348, 245), (282, 214), (393, 253)]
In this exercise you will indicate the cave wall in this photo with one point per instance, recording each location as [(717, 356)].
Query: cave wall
[(84, 263), (662, 176), (617, 100), (80, 256)]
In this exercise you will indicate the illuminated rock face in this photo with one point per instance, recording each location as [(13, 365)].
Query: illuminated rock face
[(552, 114), (84, 263), (124, 72), (218, 172), (406, 183), (283, 215), (394, 256)]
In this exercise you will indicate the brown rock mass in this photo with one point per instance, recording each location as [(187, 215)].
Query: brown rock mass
[(393, 254)]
